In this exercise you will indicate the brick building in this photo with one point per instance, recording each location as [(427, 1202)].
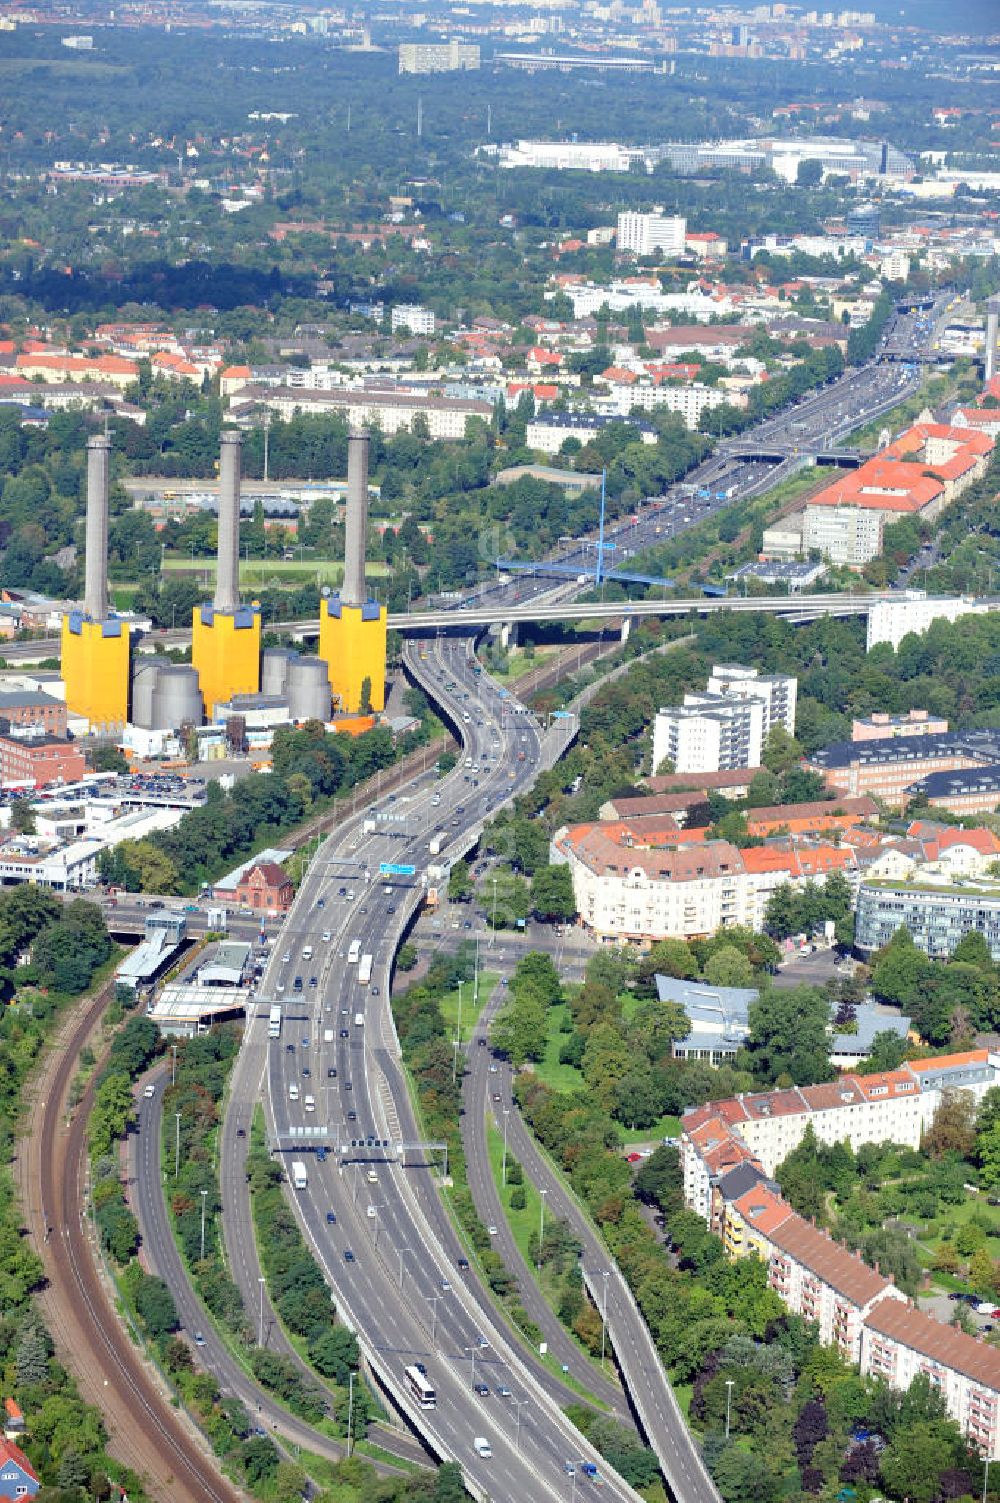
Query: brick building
[(265, 887), (36, 761)]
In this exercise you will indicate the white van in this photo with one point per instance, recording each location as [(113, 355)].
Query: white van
[(483, 1447), (328, 1035), (149, 1092), (359, 1020), (307, 953), (293, 1093), (310, 1103)]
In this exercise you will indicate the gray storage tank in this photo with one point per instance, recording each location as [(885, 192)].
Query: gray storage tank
[(176, 698), (143, 688), (274, 669), (308, 689)]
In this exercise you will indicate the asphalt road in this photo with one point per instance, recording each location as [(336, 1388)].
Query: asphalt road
[(402, 1287), (482, 1079), (147, 1197), (649, 1387)]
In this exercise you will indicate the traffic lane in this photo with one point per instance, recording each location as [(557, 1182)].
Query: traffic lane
[(490, 1208), (633, 1345)]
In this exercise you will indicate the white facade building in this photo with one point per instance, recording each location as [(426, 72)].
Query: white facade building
[(652, 234), (850, 535), (913, 611), (709, 733), (777, 691), (412, 318)]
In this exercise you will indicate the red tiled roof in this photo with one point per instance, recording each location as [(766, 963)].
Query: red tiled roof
[(829, 1261), (944, 1344), (10, 1452)]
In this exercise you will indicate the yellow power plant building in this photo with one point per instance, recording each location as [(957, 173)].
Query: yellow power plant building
[(95, 644), (352, 627), (225, 636)]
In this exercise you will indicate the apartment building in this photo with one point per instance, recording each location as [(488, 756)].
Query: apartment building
[(645, 880), (412, 318), (899, 1342), (652, 234), (936, 916), (110, 370), (438, 57), (729, 1153), (976, 790), (708, 732), (727, 726), (392, 410), (31, 758), (777, 691), (549, 433), (914, 611)]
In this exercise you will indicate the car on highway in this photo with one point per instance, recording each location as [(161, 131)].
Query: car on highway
[(344, 1033), (348, 1255), (199, 1339), (504, 1392), (463, 1263), (445, 1286), (352, 1116), (492, 1231), (331, 1074), (481, 1389)]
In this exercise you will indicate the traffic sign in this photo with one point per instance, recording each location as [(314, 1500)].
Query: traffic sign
[(393, 869)]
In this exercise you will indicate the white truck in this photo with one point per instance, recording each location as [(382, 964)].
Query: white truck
[(299, 1177), (354, 952), (365, 969), (437, 843)]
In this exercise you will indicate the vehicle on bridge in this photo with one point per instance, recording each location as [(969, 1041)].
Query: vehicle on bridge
[(274, 1022), (420, 1386), (365, 969)]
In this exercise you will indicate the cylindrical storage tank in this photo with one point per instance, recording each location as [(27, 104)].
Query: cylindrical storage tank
[(308, 690), (176, 698), (143, 690), (274, 669)]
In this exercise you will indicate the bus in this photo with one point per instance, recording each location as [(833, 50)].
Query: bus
[(365, 969), (421, 1389), (354, 953), (274, 1022)]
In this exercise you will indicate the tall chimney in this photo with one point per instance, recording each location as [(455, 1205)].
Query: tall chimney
[(227, 579), (95, 589), (356, 520), (992, 312)]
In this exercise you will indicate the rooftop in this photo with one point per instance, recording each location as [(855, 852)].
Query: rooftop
[(947, 1345)]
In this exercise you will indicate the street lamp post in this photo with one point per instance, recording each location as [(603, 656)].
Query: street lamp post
[(260, 1314), (986, 1477), (204, 1197), (177, 1144), (493, 929), (173, 1067), (729, 1404), (472, 1351), (541, 1226), (506, 1116), (517, 1434)]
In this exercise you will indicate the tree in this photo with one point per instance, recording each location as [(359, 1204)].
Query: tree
[(156, 1307), (809, 173), (33, 1351), (459, 882), (365, 701), (788, 1035), (22, 816), (729, 967), (913, 1462), (781, 751), (953, 1126), (552, 894)]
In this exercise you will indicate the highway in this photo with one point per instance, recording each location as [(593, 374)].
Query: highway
[(147, 1197), (402, 1287)]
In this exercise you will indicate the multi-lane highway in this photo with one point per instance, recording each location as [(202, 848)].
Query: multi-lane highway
[(402, 1286)]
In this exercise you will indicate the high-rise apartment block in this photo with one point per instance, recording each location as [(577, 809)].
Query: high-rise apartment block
[(438, 57), (652, 234), (728, 726)]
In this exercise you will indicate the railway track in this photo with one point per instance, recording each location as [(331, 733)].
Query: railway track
[(146, 1433)]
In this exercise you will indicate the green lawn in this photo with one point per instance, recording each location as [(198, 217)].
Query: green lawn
[(284, 570), (470, 1012), (519, 665), (558, 1077), (667, 1127), (524, 1224)]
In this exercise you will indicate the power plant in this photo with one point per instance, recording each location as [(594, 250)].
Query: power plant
[(225, 636), (227, 673), (352, 625), (95, 643)]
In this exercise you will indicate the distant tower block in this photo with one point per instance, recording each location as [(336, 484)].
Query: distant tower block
[(352, 627), (992, 318), (95, 644), (225, 636)]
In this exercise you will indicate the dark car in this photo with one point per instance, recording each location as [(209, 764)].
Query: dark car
[(463, 1263), (352, 1116), (306, 1070), (348, 1086), (331, 1218), (481, 1389), (348, 1255), (344, 1033), (331, 1074), (241, 1132)]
